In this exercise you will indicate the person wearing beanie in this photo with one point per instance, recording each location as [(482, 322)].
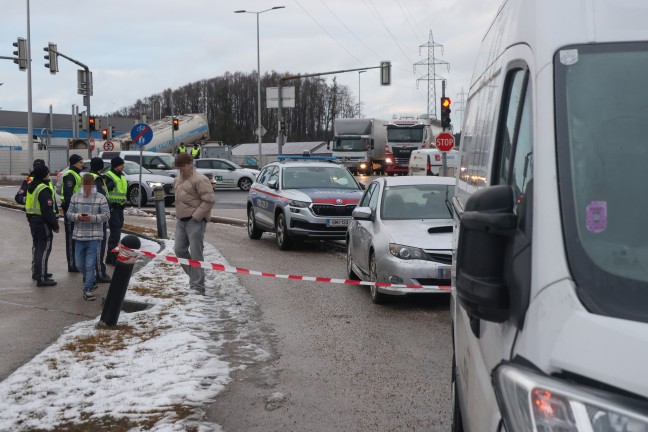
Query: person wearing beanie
[(40, 209), (195, 151), (70, 183), (22, 192), (116, 189), (96, 166)]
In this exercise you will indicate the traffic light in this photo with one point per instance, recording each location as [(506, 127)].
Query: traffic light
[(21, 61), (104, 134), (92, 123), (82, 121), (385, 73), (445, 112), (52, 56), (176, 124)]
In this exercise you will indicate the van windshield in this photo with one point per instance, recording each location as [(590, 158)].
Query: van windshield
[(601, 118)]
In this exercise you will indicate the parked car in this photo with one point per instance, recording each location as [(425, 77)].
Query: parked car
[(401, 233), (149, 182), (156, 163), (429, 161), (302, 198), (226, 174)]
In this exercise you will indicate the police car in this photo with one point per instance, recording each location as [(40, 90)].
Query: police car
[(302, 197)]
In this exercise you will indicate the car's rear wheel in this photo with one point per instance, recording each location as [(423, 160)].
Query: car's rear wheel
[(133, 195), (244, 184), (376, 296), (350, 273), (283, 240), (253, 232)]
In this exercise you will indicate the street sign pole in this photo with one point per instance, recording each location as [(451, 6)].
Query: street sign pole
[(444, 161), (141, 134)]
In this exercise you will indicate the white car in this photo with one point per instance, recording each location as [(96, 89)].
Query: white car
[(226, 174), (401, 234), (149, 182)]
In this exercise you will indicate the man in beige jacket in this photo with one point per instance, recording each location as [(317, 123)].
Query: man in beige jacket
[(194, 199)]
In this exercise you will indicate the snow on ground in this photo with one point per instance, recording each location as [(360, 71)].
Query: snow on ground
[(154, 371)]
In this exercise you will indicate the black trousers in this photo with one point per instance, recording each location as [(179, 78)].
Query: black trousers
[(115, 223), (100, 267), (69, 241), (41, 248)]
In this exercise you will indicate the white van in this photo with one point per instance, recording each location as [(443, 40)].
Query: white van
[(550, 307), (428, 162)]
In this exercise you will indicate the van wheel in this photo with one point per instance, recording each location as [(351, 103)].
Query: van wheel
[(283, 240), (457, 421), (376, 296), (133, 196)]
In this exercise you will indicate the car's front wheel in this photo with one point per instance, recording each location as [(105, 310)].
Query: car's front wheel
[(283, 240), (350, 273), (133, 196), (376, 296), (253, 232), (244, 184)]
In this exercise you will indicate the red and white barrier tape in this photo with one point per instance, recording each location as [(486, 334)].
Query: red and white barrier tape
[(238, 270)]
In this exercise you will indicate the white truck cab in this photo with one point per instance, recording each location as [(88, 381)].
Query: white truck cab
[(550, 259)]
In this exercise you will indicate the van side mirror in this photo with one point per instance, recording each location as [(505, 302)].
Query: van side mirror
[(486, 225)]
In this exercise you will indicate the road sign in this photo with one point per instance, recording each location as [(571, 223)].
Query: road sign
[(108, 146), (141, 134), (287, 97), (260, 131), (445, 141)]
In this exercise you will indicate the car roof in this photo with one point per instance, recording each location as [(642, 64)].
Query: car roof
[(295, 163), (419, 180)]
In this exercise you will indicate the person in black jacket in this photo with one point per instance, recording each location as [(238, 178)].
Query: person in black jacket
[(40, 208), (22, 192)]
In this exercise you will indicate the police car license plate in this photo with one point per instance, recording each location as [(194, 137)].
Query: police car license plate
[(444, 272), (337, 222)]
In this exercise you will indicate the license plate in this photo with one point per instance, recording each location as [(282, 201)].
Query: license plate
[(444, 272), (337, 222)]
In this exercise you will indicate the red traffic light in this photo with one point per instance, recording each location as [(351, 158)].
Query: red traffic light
[(104, 133), (176, 124), (92, 123), (445, 102)]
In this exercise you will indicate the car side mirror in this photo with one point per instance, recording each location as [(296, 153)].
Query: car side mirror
[(486, 225), (362, 213), (161, 166), (231, 168), (272, 184)]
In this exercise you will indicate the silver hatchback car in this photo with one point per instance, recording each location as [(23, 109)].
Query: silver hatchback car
[(401, 234)]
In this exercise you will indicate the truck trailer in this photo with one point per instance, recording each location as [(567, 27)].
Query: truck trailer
[(359, 144)]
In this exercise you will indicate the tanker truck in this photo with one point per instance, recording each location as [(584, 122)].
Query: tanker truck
[(359, 144)]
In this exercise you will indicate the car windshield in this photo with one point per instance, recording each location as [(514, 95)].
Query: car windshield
[(134, 168), (318, 177), (350, 144), (602, 112), (405, 134), (417, 202)]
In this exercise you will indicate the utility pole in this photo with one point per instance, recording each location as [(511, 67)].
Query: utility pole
[(431, 62)]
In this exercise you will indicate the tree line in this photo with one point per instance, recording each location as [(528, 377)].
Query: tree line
[(230, 102)]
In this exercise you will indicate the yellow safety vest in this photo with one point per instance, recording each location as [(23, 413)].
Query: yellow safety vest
[(103, 181), (195, 151), (77, 182), (118, 194), (182, 149), (32, 205)]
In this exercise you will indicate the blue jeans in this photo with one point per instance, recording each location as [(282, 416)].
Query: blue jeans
[(85, 257)]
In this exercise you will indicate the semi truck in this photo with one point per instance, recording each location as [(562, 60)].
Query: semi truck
[(359, 144), (406, 135)]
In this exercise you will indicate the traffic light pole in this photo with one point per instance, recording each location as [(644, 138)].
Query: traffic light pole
[(88, 88), (444, 160)]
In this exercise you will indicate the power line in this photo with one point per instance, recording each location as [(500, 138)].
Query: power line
[(431, 62), (389, 31), (409, 21), (415, 17)]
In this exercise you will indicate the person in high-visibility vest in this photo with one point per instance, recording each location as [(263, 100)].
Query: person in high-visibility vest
[(116, 187), (195, 151), (22, 192), (181, 148), (40, 208), (96, 166), (71, 182)]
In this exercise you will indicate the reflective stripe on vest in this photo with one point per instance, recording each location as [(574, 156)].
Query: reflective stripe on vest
[(32, 205), (77, 182), (118, 194), (195, 151)]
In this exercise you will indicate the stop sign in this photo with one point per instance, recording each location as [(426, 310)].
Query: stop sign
[(445, 141)]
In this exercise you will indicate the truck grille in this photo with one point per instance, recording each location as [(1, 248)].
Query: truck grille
[(332, 210)]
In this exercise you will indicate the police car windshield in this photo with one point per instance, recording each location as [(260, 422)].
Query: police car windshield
[(601, 122), (318, 177)]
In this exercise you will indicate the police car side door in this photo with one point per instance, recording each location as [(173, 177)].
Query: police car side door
[(261, 197)]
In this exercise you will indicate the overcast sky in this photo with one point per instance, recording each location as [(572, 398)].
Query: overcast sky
[(136, 48)]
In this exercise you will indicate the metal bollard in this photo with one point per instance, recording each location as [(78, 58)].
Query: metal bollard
[(119, 284), (158, 196)]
